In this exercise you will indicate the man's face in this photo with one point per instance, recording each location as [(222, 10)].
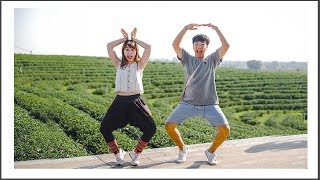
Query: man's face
[(199, 48)]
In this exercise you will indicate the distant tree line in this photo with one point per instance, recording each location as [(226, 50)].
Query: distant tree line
[(266, 65), (274, 65), (254, 64)]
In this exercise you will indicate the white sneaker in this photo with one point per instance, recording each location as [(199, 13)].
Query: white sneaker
[(183, 155), (211, 157), (134, 158), (120, 157)]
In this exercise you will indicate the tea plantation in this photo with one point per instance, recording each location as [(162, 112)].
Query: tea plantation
[(59, 102)]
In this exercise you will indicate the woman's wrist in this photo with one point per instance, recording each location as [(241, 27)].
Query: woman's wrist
[(124, 39)]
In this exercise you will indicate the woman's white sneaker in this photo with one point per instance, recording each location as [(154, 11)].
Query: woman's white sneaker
[(120, 157), (134, 158)]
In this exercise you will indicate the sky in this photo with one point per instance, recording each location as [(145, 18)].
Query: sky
[(264, 31), (269, 30)]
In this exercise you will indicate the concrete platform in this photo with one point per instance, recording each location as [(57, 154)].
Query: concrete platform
[(270, 152)]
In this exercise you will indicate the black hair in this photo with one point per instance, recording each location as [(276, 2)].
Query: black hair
[(202, 38)]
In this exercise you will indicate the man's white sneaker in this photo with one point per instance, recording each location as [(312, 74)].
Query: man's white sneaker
[(120, 157), (134, 158), (183, 155), (212, 157)]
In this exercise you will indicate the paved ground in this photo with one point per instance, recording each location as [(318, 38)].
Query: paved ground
[(271, 152)]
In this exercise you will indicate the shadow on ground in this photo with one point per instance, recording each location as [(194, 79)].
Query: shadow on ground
[(277, 146)]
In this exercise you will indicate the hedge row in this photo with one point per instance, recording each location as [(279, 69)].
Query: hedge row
[(34, 139)]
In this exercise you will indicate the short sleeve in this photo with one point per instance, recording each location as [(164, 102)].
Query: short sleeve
[(185, 57), (214, 57)]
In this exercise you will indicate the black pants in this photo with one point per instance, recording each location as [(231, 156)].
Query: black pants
[(128, 110)]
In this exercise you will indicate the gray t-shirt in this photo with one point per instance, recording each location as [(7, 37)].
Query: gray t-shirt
[(202, 87)]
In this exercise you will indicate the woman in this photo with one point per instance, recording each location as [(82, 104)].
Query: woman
[(128, 107)]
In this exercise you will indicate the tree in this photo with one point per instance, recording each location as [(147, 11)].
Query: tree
[(275, 65), (254, 64)]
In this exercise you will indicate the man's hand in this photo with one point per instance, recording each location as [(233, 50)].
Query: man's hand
[(210, 25), (192, 26)]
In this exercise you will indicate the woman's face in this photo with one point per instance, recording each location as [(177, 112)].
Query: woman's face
[(130, 54)]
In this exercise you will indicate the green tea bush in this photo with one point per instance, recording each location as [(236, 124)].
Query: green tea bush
[(34, 139), (295, 122)]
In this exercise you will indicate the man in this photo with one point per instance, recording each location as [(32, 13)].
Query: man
[(199, 96)]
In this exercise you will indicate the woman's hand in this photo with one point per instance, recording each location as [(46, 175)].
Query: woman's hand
[(133, 34), (125, 34)]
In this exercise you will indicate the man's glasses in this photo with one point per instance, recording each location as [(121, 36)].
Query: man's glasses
[(199, 44)]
